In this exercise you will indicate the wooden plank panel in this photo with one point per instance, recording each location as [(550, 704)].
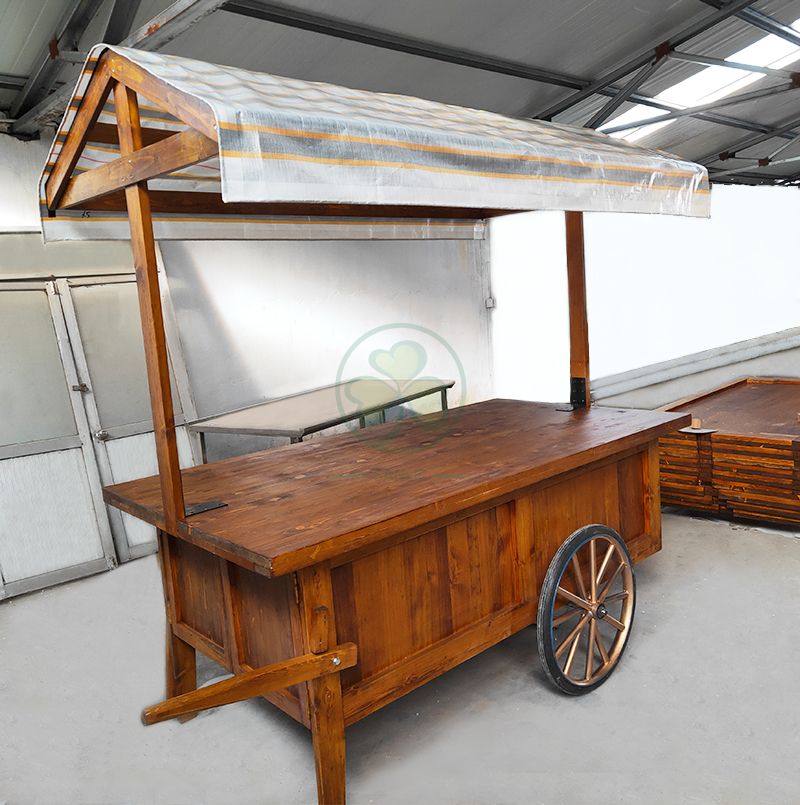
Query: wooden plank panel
[(393, 602), (464, 576), (631, 474), (263, 613), (561, 509), (198, 590), (411, 672)]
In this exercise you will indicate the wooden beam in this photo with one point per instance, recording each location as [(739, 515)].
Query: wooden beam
[(578, 319), (325, 708), (185, 108), (212, 204), (86, 116), (155, 344), (249, 684), (120, 20), (178, 151)]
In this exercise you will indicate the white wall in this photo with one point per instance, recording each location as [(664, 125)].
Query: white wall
[(20, 166), (264, 319), (658, 287)]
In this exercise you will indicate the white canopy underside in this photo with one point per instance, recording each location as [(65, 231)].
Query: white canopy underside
[(286, 140)]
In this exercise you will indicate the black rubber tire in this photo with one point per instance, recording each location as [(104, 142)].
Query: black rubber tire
[(547, 597)]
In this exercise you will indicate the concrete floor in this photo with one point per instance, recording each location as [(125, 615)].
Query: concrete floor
[(705, 707)]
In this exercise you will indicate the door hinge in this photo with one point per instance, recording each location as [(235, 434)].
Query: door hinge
[(296, 588)]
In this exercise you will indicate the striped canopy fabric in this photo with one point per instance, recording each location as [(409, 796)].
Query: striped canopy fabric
[(287, 140)]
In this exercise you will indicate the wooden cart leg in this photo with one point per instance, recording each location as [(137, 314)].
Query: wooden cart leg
[(181, 667), (325, 692), (181, 658)]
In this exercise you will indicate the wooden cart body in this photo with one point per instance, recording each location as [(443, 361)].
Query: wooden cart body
[(744, 459), (421, 565), (336, 575)]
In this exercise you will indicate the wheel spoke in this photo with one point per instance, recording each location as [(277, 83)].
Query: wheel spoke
[(604, 563), (572, 650), (618, 625), (559, 619), (590, 648), (576, 571), (571, 636), (598, 639), (607, 588), (593, 568), (574, 599), (616, 597)]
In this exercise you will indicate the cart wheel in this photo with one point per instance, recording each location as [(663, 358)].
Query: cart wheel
[(586, 609)]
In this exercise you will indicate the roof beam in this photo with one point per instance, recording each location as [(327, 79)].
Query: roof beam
[(120, 21), (761, 163), (272, 12), (10, 81), (47, 64), (331, 26), (163, 28), (625, 92), (729, 100), (639, 61), (693, 58), (759, 19), (781, 130)]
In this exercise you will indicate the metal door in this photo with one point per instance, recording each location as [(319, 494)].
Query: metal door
[(53, 525), (102, 317)]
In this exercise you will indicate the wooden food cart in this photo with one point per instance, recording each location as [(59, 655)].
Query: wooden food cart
[(334, 576)]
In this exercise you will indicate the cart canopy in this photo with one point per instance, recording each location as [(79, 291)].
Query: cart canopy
[(282, 140)]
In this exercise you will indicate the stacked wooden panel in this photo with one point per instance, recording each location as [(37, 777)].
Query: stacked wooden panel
[(686, 471), (737, 464)]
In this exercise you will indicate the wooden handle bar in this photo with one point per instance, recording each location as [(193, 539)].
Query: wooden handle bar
[(253, 683)]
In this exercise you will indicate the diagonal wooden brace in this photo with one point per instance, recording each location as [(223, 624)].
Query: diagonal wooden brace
[(253, 683)]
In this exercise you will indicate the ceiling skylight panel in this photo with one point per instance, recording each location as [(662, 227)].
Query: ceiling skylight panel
[(710, 84)]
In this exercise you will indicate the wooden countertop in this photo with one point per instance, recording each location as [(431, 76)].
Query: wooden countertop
[(758, 406), (293, 506)]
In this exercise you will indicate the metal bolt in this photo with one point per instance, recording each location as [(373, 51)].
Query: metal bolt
[(337, 660)]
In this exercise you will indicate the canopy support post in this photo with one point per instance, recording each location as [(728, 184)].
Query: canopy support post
[(155, 344), (578, 319)]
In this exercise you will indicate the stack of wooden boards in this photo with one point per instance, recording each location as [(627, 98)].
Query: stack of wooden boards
[(743, 458)]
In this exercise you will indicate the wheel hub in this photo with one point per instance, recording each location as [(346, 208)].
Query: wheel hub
[(600, 612)]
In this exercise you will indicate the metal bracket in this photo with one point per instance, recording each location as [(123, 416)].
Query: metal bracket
[(577, 392), (205, 506)]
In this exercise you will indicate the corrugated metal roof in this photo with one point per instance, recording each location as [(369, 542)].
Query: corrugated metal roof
[(583, 38)]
